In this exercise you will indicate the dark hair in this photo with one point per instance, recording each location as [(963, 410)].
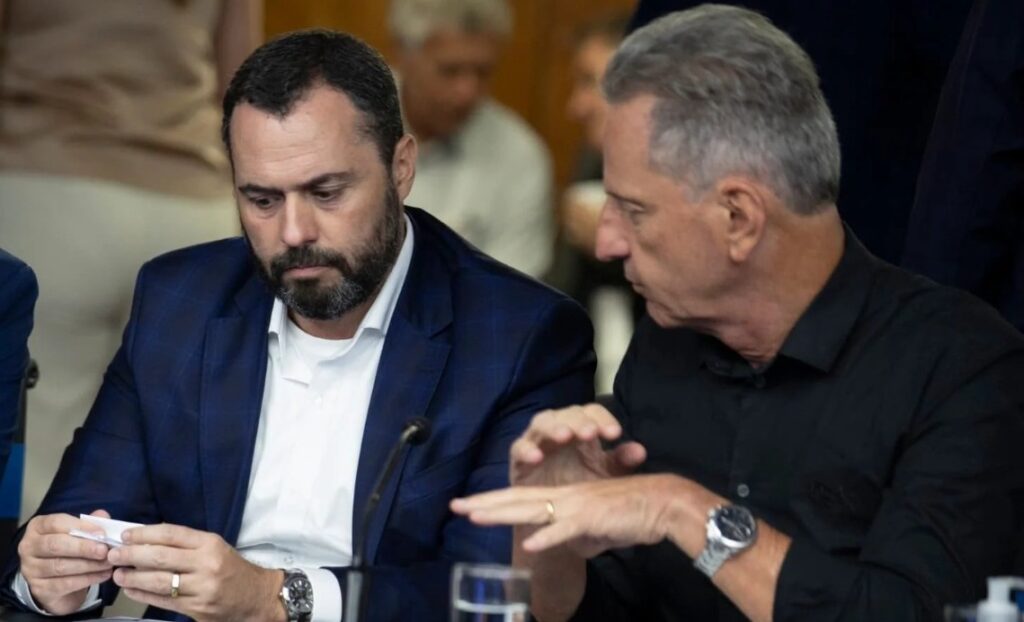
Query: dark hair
[(281, 71)]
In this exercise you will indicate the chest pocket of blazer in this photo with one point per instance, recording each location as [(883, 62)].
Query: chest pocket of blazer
[(442, 477), (835, 502)]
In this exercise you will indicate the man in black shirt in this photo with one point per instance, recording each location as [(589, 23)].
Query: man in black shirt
[(825, 436)]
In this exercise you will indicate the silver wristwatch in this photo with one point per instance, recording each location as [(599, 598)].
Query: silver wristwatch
[(730, 530), (297, 595)]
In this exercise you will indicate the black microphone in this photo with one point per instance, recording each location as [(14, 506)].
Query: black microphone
[(414, 432)]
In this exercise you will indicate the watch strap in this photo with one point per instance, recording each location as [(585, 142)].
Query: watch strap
[(712, 558)]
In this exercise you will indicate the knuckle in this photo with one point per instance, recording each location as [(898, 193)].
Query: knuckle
[(35, 524), (25, 547), (216, 566), (159, 558), (59, 566)]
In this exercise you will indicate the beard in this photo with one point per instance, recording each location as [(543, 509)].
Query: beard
[(361, 272)]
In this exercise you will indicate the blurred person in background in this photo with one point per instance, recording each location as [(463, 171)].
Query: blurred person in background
[(109, 155), (595, 43), (599, 286), (481, 169)]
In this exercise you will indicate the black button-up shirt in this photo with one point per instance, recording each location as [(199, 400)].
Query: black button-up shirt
[(886, 439)]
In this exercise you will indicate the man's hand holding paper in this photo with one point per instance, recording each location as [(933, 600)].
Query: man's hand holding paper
[(58, 567)]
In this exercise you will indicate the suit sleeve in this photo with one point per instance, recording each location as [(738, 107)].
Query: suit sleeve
[(555, 368), (18, 294), (967, 222), (88, 478)]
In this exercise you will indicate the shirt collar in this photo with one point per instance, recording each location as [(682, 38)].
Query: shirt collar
[(819, 334), (377, 318)]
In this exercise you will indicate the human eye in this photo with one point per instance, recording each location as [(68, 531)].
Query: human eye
[(633, 212), (261, 201), (326, 195)]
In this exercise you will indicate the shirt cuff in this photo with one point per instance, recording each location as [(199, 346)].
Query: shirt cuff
[(326, 595), (810, 583), (20, 588)]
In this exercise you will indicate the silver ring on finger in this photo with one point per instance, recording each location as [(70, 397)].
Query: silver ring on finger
[(175, 584)]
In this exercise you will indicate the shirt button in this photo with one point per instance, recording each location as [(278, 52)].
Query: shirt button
[(743, 491)]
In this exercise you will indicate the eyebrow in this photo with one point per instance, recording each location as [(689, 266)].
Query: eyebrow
[(340, 177)]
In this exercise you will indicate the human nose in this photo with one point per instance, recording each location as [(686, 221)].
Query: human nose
[(299, 227), (611, 242)]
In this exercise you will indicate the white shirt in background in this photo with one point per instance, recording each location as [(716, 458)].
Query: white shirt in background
[(492, 183)]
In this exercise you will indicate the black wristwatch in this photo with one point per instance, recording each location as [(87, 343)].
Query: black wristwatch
[(297, 595)]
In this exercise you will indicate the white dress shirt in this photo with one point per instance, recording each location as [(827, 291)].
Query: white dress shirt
[(298, 510), (492, 183)]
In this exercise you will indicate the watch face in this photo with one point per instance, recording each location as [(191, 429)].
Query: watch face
[(736, 524), (300, 594)]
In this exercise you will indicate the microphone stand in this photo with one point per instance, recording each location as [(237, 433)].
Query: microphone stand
[(357, 580)]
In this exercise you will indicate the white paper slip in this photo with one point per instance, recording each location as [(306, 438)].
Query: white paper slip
[(102, 539), (122, 619), (112, 529)]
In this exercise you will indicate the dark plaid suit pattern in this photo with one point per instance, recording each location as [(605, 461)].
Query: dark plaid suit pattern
[(472, 345)]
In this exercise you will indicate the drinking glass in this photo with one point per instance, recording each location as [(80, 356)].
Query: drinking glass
[(490, 593)]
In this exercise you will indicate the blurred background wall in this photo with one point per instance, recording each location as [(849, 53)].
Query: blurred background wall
[(533, 77)]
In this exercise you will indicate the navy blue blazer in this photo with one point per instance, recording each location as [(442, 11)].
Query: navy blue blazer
[(18, 292), (967, 225), (473, 345)]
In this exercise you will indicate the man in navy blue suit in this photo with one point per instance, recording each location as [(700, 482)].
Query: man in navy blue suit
[(18, 291), (262, 381)]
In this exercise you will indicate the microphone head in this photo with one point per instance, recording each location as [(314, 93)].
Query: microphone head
[(418, 430)]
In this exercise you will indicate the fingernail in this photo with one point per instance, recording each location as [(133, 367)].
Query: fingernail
[(114, 556), (126, 536)]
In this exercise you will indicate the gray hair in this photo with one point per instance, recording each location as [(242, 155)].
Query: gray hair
[(734, 94), (413, 21)]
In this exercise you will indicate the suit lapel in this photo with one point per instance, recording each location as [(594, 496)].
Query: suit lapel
[(231, 395), (415, 353)]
